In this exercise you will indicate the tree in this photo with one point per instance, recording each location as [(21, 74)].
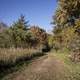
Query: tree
[(40, 37), (19, 32), (50, 40), (4, 37), (67, 26), (3, 26), (39, 34), (66, 14)]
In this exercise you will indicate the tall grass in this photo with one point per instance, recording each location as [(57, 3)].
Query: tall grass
[(12, 55), (13, 59)]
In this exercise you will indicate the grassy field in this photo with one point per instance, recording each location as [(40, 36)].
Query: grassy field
[(73, 69)]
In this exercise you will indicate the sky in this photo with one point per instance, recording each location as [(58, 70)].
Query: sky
[(38, 12)]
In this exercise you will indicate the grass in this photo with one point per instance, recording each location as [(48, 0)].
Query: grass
[(18, 58), (12, 56), (12, 60), (73, 69)]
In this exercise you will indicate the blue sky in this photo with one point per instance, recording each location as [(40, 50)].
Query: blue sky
[(38, 12)]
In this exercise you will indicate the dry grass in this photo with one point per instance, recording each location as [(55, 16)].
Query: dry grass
[(42, 68), (11, 56), (12, 60)]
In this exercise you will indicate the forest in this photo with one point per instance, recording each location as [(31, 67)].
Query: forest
[(28, 52)]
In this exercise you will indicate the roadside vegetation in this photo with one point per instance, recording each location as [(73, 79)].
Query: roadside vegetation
[(22, 42), (72, 68), (66, 32), (12, 60), (11, 56)]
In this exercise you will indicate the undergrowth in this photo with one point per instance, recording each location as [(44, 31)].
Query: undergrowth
[(72, 68)]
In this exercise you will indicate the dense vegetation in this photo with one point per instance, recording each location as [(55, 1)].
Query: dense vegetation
[(21, 41), (67, 27), (21, 35)]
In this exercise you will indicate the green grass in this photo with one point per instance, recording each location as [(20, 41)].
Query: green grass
[(73, 69)]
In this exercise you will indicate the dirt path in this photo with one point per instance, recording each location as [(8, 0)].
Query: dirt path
[(44, 68)]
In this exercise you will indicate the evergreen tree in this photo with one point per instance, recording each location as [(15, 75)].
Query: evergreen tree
[(19, 32)]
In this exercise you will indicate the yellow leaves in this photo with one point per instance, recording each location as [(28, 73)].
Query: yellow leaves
[(68, 34), (39, 33), (68, 31), (77, 23)]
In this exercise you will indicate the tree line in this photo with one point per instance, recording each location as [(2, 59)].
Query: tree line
[(66, 32), (21, 35)]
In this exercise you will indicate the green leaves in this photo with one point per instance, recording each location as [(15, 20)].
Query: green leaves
[(19, 32)]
